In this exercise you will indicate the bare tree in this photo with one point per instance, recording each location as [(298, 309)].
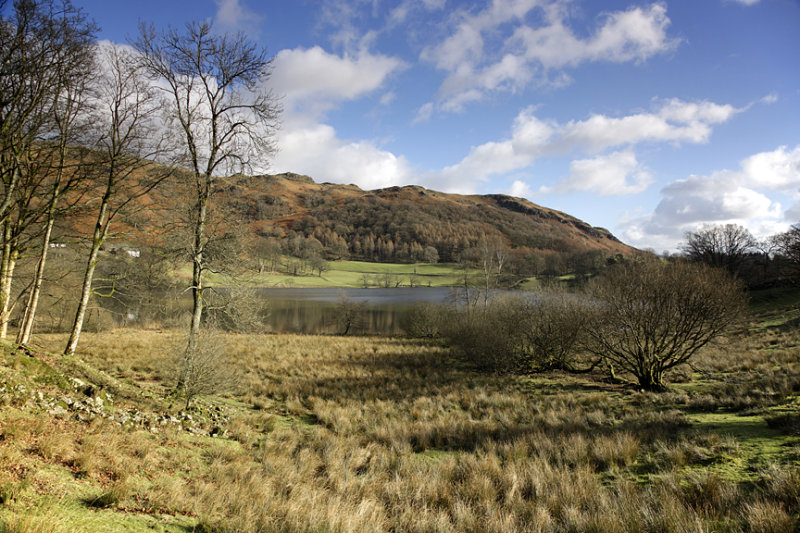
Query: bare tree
[(214, 88), (44, 46), (552, 329), (204, 371), (62, 169), (788, 245), (652, 316), (128, 140), (719, 246), (489, 256), (349, 315)]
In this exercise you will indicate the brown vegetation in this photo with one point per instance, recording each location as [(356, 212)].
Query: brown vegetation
[(359, 434), (650, 317)]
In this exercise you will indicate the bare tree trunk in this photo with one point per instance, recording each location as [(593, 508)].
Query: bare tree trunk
[(83, 304), (100, 232), (5, 257), (7, 308), (7, 264), (197, 273), (26, 328)]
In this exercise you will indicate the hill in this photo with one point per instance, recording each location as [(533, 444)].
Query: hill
[(410, 223)]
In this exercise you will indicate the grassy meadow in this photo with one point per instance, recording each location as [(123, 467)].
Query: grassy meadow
[(330, 433), (354, 274)]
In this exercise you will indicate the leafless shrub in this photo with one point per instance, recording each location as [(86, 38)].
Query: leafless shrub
[(521, 333), (202, 370), (349, 316), (486, 335), (650, 317), (423, 321), (553, 329), (239, 308)]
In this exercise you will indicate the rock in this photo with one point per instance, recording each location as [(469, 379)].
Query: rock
[(58, 411)]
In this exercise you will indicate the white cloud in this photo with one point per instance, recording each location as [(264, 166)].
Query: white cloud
[(424, 113), (675, 121), (633, 35), (318, 152), (771, 98), (613, 174), (532, 137), (233, 16), (388, 98), (492, 158), (497, 50), (746, 196), (747, 2), (315, 80), (458, 51), (312, 82), (779, 169), (520, 188), (530, 134), (793, 214), (719, 198)]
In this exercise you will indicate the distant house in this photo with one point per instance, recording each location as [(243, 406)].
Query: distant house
[(58, 245), (133, 252)]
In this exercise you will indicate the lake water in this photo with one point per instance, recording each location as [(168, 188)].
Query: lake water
[(380, 311), (303, 310)]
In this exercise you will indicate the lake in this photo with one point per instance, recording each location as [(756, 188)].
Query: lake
[(319, 310), (307, 310)]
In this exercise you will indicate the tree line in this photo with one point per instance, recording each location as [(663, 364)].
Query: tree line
[(758, 263), (94, 131)]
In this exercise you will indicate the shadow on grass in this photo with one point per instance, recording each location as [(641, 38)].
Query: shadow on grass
[(391, 376)]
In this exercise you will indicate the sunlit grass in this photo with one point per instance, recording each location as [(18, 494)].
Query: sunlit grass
[(350, 274), (374, 434)]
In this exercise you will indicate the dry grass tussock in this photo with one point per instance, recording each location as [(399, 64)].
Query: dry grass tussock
[(362, 434)]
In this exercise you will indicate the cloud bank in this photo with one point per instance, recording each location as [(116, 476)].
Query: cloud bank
[(745, 196), (498, 49), (618, 173)]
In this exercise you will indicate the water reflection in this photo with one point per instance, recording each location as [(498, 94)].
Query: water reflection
[(317, 310), (380, 311)]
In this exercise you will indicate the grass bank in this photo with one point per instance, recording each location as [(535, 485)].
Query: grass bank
[(376, 434), (356, 274)]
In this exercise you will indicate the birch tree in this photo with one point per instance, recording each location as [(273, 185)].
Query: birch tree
[(214, 87), (43, 51), (128, 141)]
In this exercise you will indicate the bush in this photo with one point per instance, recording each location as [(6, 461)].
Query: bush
[(486, 335), (423, 321), (525, 333), (650, 317), (239, 309), (202, 370), (553, 328), (350, 316)]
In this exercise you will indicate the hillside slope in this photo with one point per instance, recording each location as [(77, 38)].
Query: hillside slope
[(401, 223)]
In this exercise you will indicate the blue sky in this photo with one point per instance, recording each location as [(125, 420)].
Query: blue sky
[(649, 118)]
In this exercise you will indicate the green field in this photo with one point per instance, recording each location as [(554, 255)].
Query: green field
[(354, 274)]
